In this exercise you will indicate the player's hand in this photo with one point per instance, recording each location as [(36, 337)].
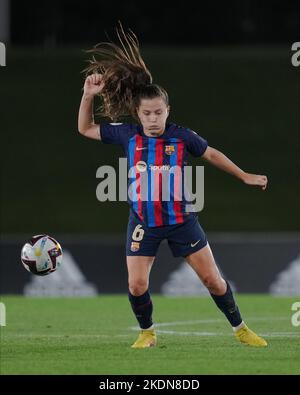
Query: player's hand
[(93, 85), (254, 179)]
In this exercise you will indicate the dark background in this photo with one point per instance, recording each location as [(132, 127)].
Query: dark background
[(227, 68), (156, 22)]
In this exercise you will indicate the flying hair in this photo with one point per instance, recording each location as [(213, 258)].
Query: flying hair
[(124, 74)]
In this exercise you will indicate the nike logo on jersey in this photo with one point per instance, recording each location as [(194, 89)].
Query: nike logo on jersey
[(194, 244), (140, 148)]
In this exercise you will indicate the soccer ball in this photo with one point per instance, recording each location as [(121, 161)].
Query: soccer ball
[(41, 255)]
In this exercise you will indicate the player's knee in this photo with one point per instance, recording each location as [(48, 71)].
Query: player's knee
[(215, 285), (138, 287)]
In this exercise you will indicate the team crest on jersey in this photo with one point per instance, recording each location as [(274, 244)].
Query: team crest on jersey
[(135, 246), (169, 149)]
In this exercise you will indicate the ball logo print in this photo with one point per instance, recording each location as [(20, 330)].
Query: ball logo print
[(41, 255)]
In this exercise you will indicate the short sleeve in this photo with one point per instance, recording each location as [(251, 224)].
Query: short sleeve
[(114, 133), (195, 144)]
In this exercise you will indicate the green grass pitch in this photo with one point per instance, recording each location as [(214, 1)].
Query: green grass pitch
[(93, 336)]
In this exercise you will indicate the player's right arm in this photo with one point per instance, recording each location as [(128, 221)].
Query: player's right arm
[(86, 124)]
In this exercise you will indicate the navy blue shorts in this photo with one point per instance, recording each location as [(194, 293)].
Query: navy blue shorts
[(183, 239)]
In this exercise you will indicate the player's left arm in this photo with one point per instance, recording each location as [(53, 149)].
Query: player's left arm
[(218, 159)]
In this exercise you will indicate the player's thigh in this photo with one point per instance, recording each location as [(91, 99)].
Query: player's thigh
[(186, 238), (139, 268), (141, 240), (203, 262)]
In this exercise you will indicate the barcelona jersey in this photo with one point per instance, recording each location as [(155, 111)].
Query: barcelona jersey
[(157, 200)]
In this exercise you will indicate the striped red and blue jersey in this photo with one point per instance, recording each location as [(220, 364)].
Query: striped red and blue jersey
[(145, 155)]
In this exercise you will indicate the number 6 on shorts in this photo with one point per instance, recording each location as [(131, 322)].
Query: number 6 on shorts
[(138, 233)]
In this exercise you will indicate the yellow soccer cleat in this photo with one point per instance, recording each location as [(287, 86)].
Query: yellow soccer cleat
[(247, 336), (147, 338)]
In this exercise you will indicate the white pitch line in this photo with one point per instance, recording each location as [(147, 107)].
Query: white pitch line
[(64, 337), (266, 318), (212, 321), (180, 333), (186, 333), (192, 322)]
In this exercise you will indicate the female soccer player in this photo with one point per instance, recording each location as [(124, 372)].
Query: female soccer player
[(119, 75)]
